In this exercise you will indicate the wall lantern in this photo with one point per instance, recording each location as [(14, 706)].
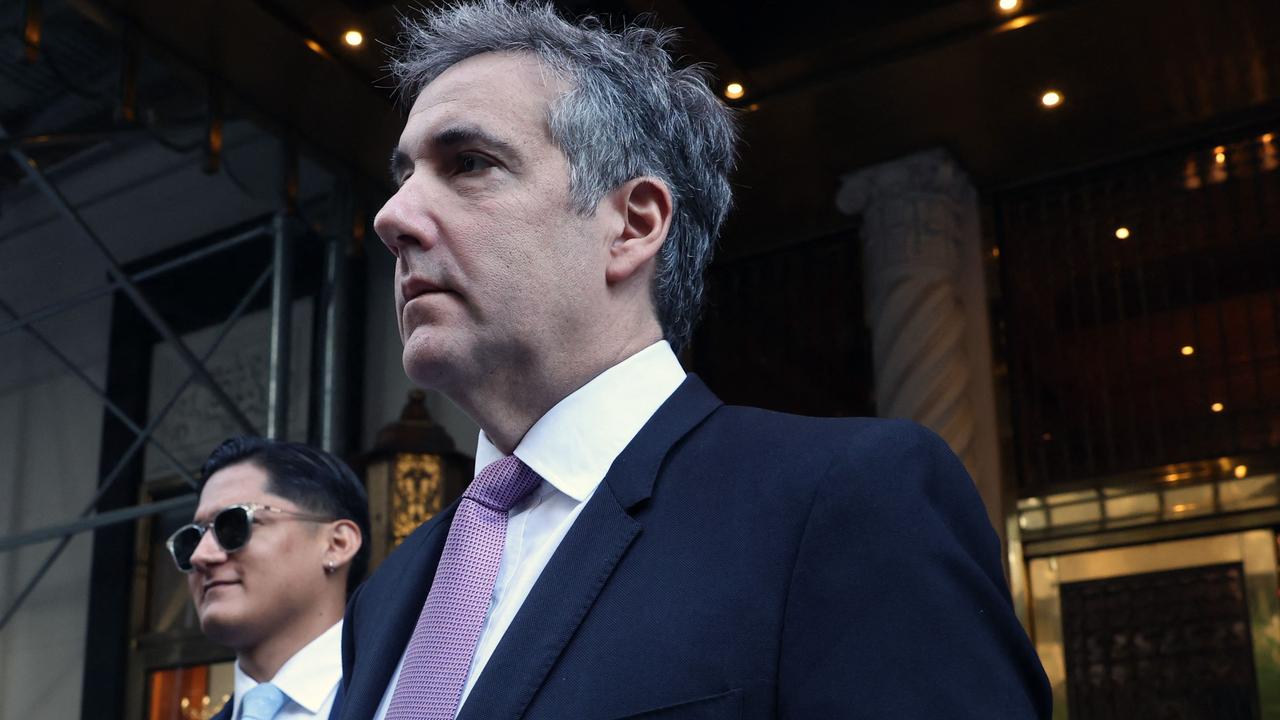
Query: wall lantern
[(412, 473)]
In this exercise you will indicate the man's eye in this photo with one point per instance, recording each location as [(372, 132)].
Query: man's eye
[(470, 162)]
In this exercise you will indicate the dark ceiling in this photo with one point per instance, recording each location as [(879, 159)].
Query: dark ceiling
[(831, 87)]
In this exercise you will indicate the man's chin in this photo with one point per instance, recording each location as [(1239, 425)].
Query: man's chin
[(222, 624), (426, 365)]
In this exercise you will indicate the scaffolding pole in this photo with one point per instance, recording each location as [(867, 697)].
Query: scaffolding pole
[(93, 522), (281, 326)]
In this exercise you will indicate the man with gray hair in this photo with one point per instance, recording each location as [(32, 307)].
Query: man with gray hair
[(630, 547)]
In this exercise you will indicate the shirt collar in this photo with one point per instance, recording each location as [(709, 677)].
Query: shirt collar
[(308, 677), (575, 443)]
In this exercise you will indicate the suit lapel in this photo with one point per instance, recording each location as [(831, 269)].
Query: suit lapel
[(391, 614), (582, 565)]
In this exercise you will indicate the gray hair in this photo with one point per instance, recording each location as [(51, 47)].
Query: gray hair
[(629, 113)]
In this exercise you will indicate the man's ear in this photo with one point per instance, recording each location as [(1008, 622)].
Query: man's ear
[(645, 206), (344, 543)]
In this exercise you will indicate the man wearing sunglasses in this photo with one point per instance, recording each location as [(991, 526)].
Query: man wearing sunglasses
[(274, 548)]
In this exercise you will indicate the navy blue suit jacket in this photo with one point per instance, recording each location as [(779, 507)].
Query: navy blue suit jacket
[(739, 563)]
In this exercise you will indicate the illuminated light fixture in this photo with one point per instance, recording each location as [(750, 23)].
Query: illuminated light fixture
[(1051, 99), (315, 46), (1241, 471), (1122, 233), (1217, 407), (734, 90), (1220, 155), (1267, 138), (354, 38), (995, 252), (1188, 350), (1183, 507), (1009, 6)]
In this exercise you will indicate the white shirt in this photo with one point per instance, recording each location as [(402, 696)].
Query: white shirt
[(309, 679), (571, 448)]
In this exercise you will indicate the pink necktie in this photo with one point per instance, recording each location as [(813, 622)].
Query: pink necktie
[(438, 658)]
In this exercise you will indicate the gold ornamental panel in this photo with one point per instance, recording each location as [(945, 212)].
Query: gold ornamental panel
[(417, 493)]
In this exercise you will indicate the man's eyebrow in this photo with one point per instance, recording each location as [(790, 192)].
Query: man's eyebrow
[(451, 137)]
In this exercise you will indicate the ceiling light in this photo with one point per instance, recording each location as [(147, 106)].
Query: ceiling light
[(1220, 154), (1241, 471), (1122, 233), (354, 38), (315, 46), (1188, 350), (1267, 138), (1217, 407), (1051, 99), (733, 91), (1009, 6)]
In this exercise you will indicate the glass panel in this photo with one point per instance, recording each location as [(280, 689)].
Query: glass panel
[(1188, 501), (1133, 508), (1034, 520), (1076, 514), (190, 693), (1251, 492)]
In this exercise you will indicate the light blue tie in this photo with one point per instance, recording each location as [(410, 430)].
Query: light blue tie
[(261, 703)]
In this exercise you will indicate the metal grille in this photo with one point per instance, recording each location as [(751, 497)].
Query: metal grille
[(1142, 303), (1163, 645)]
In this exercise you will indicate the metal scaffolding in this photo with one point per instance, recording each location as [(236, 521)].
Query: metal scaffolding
[(284, 234)]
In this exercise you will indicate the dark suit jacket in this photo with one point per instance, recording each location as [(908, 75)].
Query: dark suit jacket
[(739, 563)]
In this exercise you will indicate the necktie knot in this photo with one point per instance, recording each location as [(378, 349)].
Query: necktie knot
[(261, 703), (502, 484)]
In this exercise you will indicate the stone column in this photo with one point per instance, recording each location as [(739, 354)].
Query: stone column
[(926, 306)]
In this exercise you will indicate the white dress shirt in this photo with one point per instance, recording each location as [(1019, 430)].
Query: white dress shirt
[(309, 679), (571, 448)]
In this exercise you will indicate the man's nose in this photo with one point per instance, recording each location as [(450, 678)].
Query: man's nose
[(208, 552), (402, 222)]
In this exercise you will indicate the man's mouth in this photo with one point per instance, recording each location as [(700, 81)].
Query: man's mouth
[(416, 286), (214, 585)]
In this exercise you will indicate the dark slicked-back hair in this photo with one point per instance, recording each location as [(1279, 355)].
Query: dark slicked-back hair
[(629, 112), (312, 478)]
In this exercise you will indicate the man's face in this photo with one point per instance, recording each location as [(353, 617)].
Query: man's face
[(494, 268), (243, 597)]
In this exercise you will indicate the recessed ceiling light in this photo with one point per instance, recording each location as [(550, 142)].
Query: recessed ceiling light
[(354, 38), (1217, 407), (1051, 99), (1009, 6), (734, 90), (1188, 350), (1122, 233)]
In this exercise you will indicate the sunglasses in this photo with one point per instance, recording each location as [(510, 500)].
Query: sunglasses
[(232, 527)]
